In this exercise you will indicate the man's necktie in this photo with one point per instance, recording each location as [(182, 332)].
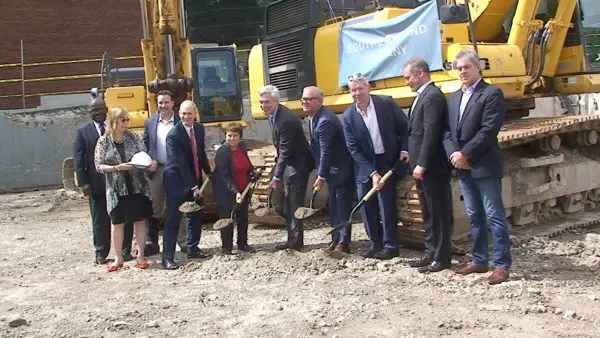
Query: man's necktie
[(194, 153), (102, 129)]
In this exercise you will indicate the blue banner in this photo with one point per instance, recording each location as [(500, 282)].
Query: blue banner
[(379, 50)]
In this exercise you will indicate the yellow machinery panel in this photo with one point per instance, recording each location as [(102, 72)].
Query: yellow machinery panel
[(133, 99), (256, 79)]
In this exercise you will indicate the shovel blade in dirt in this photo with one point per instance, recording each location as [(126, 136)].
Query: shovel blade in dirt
[(304, 212), (190, 207)]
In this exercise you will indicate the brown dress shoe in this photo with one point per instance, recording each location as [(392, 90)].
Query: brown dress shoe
[(498, 276), (470, 268), (342, 248)]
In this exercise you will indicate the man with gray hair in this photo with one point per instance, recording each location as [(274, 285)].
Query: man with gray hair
[(476, 114), (376, 132), (429, 165), (293, 164)]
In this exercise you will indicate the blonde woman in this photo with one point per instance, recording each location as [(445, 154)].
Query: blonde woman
[(128, 196)]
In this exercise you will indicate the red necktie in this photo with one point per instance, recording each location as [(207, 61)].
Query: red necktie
[(194, 153)]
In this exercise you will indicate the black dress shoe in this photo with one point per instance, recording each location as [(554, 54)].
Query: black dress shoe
[(371, 253), (386, 254), (169, 264), (435, 266), (197, 254), (100, 259), (127, 257), (246, 248), (282, 246), (151, 249), (425, 261), (226, 251)]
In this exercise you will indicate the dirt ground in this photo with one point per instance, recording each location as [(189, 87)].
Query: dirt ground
[(49, 287)]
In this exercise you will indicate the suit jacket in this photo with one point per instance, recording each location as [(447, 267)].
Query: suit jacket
[(292, 148), (84, 147), (328, 146), (393, 127), (224, 187), (426, 132), (476, 134), (150, 127), (180, 177)]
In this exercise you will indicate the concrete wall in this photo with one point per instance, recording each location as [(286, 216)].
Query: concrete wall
[(34, 144)]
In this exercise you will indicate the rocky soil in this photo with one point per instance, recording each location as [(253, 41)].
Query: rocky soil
[(50, 287)]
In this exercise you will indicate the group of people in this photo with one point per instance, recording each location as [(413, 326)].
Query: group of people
[(372, 137), (129, 197)]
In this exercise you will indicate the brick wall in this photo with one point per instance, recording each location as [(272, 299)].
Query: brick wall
[(64, 30)]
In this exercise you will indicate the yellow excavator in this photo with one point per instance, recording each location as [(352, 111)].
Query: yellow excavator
[(208, 75), (531, 49)]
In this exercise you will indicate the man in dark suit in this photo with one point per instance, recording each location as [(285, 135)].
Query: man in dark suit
[(476, 114), (334, 163), (294, 162), (92, 183), (376, 132), (429, 165), (156, 129), (186, 158)]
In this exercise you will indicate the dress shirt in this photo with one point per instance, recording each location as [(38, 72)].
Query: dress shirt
[(370, 119), (419, 91), (97, 125), (162, 130), (466, 96)]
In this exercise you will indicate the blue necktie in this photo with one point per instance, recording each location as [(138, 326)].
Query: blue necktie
[(102, 129)]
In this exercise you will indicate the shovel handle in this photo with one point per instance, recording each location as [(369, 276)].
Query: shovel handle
[(384, 179), (314, 195)]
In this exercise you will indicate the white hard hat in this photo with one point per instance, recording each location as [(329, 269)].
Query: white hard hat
[(141, 160)]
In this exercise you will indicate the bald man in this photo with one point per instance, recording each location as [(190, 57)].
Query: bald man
[(92, 183), (333, 161), (186, 158)]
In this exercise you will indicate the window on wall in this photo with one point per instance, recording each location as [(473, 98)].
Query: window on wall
[(591, 30)]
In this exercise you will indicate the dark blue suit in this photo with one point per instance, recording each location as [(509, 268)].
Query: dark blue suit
[(84, 146), (179, 179), (393, 128), (475, 135), (334, 164)]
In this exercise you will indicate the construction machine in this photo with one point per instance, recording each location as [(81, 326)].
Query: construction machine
[(207, 74), (530, 49)]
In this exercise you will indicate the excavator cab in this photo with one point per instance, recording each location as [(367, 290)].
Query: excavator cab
[(217, 89)]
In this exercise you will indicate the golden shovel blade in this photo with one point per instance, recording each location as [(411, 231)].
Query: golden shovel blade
[(222, 223), (304, 212), (189, 207)]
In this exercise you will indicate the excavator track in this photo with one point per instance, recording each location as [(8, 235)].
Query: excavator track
[(539, 134)]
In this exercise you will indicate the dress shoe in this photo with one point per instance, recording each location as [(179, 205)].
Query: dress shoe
[(498, 276), (435, 266), (197, 254), (151, 249), (226, 252), (342, 248), (331, 246), (371, 253), (282, 246), (423, 262), (467, 269), (386, 254), (101, 259), (246, 248), (127, 257), (169, 264)]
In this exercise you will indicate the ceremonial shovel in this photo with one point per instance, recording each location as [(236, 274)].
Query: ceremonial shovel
[(363, 200), (193, 206), (303, 212), (225, 222)]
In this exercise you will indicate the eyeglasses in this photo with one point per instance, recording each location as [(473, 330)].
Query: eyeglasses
[(307, 99), (125, 119)]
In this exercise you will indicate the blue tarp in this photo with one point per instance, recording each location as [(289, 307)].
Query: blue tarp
[(379, 50)]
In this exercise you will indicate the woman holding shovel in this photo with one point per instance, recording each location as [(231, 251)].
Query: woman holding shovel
[(233, 173)]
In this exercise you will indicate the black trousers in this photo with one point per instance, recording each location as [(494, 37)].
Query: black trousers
[(241, 223), (294, 187), (101, 227), (435, 198)]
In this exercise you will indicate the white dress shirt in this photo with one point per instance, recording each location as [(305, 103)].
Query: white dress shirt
[(466, 96), (370, 119), (419, 91), (97, 125), (162, 130)]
